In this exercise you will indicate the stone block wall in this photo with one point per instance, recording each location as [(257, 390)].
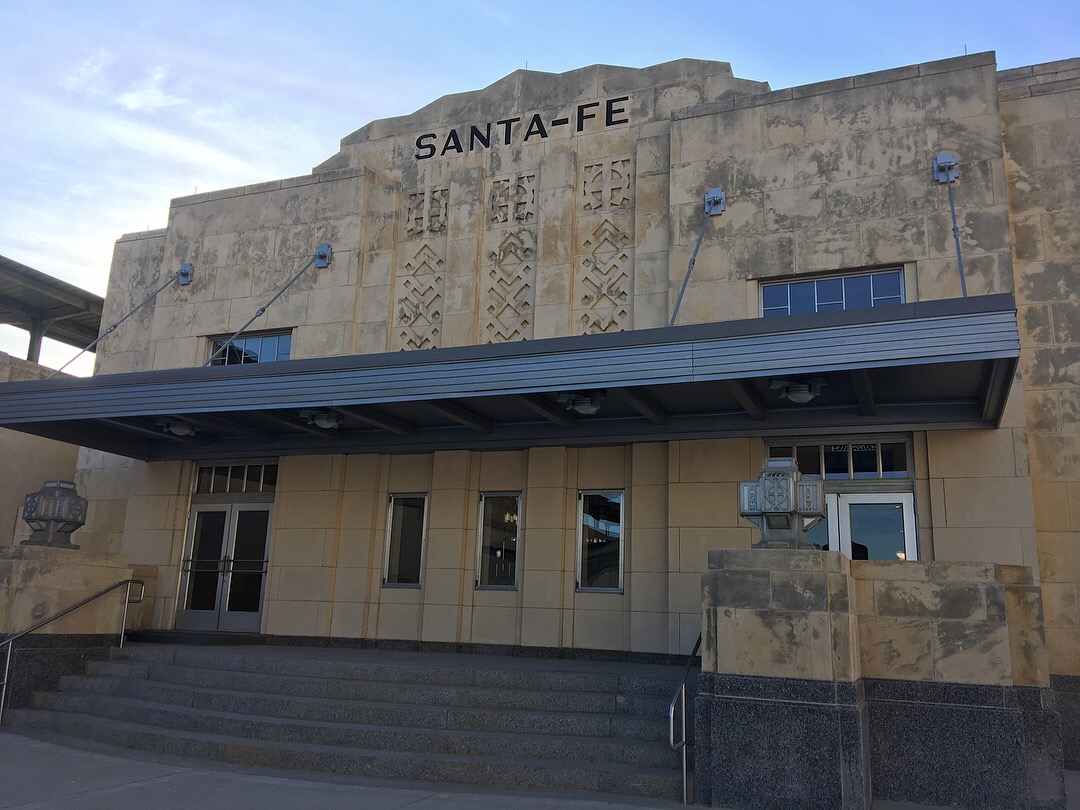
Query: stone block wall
[(896, 681), (38, 581), (39, 459), (1040, 115), (950, 622), (329, 543), (781, 613), (837, 175)]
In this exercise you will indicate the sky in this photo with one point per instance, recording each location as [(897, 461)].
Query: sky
[(109, 108)]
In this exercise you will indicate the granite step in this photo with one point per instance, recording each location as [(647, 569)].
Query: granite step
[(613, 778), (473, 718), (414, 668), (447, 740), (478, 720), (527, 699)]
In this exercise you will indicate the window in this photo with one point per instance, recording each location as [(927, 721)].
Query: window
[(265, 347), (499, 527), (876, 289), (407, 525), (236, 479), (849, 461), (600, 541)]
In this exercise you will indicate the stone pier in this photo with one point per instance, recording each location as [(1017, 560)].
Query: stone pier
[(831, 683)]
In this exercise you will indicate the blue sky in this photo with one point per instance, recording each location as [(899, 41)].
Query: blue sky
[(112, 108)]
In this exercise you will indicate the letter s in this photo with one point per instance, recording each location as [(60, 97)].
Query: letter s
[(425, 150)]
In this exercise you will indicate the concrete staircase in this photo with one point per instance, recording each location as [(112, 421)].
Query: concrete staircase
[(534, 723)]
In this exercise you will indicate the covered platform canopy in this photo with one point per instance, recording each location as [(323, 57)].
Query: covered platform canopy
[(921, 366), (47, 307)]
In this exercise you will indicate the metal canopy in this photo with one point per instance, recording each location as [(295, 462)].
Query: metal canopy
[(929, 365), (46, 306)]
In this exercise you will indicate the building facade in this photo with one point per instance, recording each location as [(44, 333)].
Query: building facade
[(471, 420)]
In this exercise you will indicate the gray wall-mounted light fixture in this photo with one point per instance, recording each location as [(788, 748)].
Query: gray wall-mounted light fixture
[(715, 204), (947, 171)]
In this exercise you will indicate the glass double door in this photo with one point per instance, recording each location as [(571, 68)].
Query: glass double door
[(224, 572)]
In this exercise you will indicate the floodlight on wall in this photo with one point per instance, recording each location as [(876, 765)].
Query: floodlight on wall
[(584, 404), (322, 419), (947, 171), (798, 391), (183, 275), (715, 205)]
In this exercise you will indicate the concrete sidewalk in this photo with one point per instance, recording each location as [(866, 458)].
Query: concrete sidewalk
[(38, 772)]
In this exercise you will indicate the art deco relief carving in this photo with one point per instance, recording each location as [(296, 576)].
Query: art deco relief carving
[(604, 283), (513, 200), (607, 184), (419, 301), (509, 294), (426, 212)]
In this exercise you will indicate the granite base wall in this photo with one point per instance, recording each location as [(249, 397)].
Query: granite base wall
[(1067, 694), (780, 743), (964, 745), (784, 742), (39, 661)]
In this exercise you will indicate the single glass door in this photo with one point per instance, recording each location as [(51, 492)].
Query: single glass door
[(873, 526), (225, 572)]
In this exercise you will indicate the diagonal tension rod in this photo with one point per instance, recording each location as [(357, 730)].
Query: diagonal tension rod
[(321, 258), (183, 275)]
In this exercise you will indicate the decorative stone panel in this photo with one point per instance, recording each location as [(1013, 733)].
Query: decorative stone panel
[(607, 184), (509, 292), (512, 200), (604, 280), (419, 299), (426, 212)]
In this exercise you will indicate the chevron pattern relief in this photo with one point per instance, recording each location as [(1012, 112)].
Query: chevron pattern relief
[(604, 281), (509, 294)]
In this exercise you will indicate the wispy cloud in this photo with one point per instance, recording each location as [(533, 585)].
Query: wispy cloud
[(149, 94), (88, 76)]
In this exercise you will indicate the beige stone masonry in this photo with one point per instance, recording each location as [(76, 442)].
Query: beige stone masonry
[(37, 582), (1040, 116), (810, 614), (40, 459)]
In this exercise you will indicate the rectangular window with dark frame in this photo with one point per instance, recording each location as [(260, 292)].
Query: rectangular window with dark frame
[(262, 347), (236, 479), (406, 528), (600, 538), (854, 291), (499, 540), (849, 461)]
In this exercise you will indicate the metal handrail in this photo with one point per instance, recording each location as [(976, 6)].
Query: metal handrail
[(680, 698), (9, 642)]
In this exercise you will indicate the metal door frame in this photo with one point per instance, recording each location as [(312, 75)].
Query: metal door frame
[(840, 528), (221, 619)]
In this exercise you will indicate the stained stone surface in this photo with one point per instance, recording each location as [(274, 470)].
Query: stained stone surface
[(938, 694)]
